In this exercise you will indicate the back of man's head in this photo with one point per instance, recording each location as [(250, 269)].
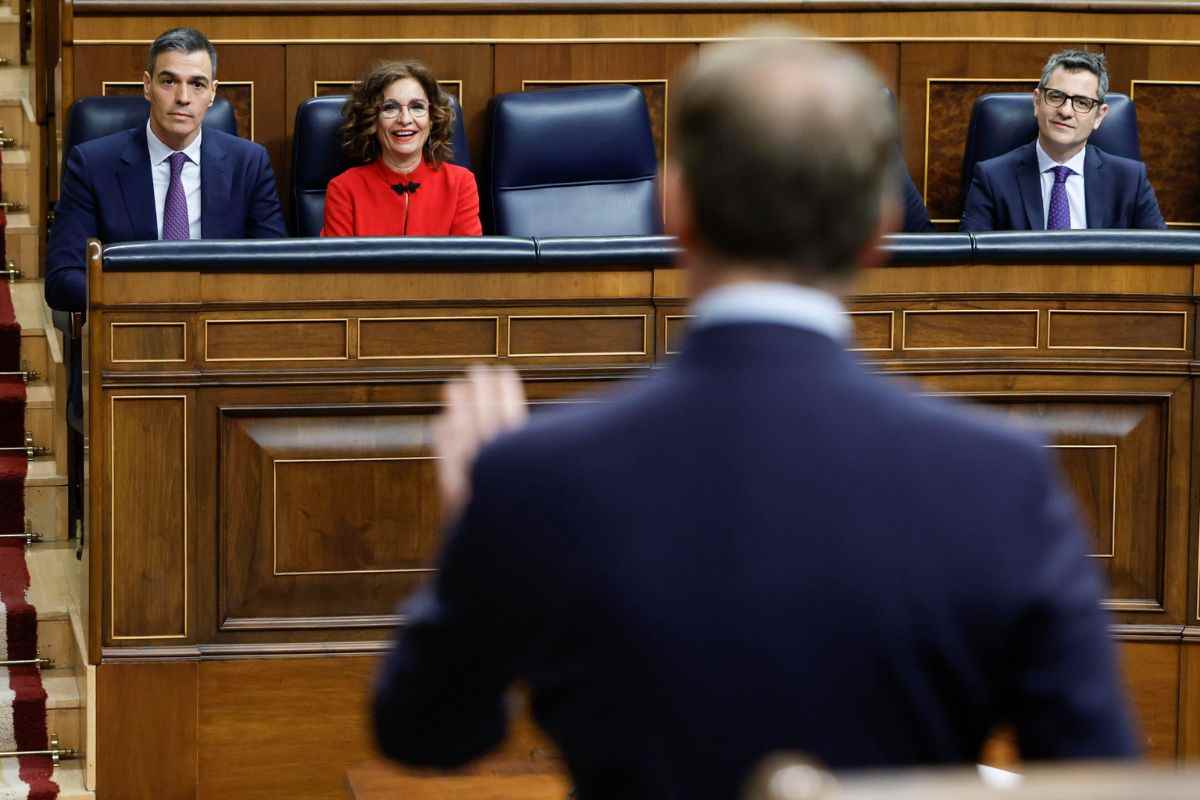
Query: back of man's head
[(786, 147)]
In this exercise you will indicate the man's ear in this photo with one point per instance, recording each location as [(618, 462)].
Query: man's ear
[(213, 98), (146, 84), (1101, 113)]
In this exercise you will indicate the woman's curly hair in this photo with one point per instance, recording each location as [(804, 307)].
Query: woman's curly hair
[(361, 112)]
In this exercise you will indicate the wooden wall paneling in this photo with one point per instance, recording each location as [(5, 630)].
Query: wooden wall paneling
[(936, 113), (469, 63), (1162, 80), (1151, 673), (1189, 699), (650, 67), (146, 730), (147, 506)]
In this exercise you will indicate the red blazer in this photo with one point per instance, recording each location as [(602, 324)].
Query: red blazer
[(361, 202)]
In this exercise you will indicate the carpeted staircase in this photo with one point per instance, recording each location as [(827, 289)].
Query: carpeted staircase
[(22, 695)]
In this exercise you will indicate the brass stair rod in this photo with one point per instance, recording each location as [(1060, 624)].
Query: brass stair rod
[(27, 375), (11, 272), (14, 207), (55, 752), (30, 449), (29, 534), (43, 663)]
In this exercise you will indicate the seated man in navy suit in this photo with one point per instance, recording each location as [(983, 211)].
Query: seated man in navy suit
[(166, 180), (1059, 181), (763, 546)]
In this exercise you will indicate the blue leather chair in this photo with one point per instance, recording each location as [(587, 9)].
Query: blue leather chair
[(573, 162), (90, 118), (317, 157), (1004, 121)]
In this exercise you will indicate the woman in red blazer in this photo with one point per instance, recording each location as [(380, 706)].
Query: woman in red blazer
[(398, 126)]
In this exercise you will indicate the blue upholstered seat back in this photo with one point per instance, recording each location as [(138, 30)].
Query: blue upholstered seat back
[(1004, 121), (317, 157), (573, 162), (92, 117)]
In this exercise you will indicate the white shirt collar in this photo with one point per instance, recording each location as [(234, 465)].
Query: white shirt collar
[(1045, 162), (773, 302), (159, 152)]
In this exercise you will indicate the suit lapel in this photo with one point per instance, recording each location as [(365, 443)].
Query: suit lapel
[(1094, 190), (137, 187), (1031, 188), (214, 186)]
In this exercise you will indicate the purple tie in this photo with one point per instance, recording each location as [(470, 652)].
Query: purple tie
[(175, 210), (1059, 218)]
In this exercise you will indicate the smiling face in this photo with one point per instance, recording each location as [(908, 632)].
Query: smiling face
[(402, 138), (1063, 131), (180, 92)]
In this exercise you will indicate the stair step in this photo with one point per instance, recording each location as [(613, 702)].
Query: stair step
[(46, 510), (23, 240), (68, 775), (30, 307), (45, 472)]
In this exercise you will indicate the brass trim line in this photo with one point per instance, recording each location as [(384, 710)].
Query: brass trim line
[(667, 351), (275, 462), (112, 516), (1053, 311), (1037, 324), (1112, 546), (361, 320), (317, 84), (345, 338), (112, 344), (928, 92), (642, 317), (891, 331), (667, 40)]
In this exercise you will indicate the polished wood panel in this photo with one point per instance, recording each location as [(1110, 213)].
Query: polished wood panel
[(328, 517), (1152, 679), (381, 781), (1129, 330), (154, 755), (969, 329), (276, 339), (873, 330), (429, 337), (1189, 700), (148, 342), (675, 328), (468, 64), (1091, 472), (148, 509), (578, 335)]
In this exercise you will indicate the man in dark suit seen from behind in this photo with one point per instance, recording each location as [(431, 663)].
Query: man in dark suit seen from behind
[(763, 546), (1059, 181), (167, 179)]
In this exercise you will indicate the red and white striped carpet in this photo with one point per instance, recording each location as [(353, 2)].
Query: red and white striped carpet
[(22, 696)]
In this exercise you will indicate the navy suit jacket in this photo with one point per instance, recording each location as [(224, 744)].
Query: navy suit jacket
[(107, 193), (916, 216), (763, 547), (1006, 193)]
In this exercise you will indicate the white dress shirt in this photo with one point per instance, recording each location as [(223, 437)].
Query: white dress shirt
[(773, 302), (1075, 195), (160, 174)]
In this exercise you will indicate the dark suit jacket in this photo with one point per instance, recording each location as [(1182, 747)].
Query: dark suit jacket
[(1006, 193), (916, 216), (107, 193), (761, 548)]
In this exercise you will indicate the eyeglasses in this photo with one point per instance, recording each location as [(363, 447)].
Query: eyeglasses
[(391, 109), (1081, 103)]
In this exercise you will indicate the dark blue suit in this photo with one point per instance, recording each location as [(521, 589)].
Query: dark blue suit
[(763, 547), (1006, 193), (107, 193), (916, 216)]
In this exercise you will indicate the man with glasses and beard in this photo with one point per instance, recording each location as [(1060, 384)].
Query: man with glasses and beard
[(1059, 181)]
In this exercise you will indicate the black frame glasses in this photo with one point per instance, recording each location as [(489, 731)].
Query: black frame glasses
[(1080, 103)]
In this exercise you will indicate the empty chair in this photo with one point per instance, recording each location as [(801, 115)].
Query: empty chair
[(573, 162), (1004, 121), (317, 157)]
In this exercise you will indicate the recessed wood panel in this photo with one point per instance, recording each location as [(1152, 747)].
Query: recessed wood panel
[(328, 517), (676, 331), (872, 330), (969, 329), (354, 515), (577, 335), (1151, 673), (1091, 472), (276, 340), (148, 517), (429, 337), (1118, 330), (148, 342)]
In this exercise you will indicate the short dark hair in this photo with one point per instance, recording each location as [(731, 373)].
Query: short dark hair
[(183, 40), (361, 112), (788, 152), (1075, 61)]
